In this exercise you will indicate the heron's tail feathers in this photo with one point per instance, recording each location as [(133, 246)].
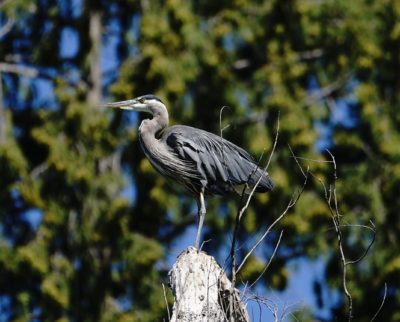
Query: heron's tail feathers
[(264, 185)]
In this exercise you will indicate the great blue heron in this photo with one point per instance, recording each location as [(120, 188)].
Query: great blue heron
[(202, 162)]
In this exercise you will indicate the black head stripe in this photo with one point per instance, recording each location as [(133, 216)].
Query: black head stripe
[(150, 97)]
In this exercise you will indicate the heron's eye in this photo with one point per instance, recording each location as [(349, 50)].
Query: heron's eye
[(141, 100)]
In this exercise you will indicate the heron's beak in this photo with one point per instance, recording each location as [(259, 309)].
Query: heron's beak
[(133, 104), (126, 105)]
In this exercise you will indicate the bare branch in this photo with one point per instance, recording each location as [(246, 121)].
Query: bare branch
[(290, 205), (249, 197), (37, 171), (2, 116), (275, 142), (269, 304), (95, 72), (270, 259), (336, 222), (19, 69), (243, 209), (381, 306), (326, 91), (5, 29), (241, 64), (203, 243), (372, 241), (222, 129), (166, 301), (312, 160), (38, 72), (330, 196), (310, 54), (296, 159)]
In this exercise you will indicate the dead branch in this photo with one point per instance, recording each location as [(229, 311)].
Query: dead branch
[(222, 129), (246, 205), (6, 28), (326, 91), (270, 259), (19, 70), (310, 54), (2, 116), (380, 306), (336, 222), (240, 213), (37, 72), (292, 202), (166, 301), (95, 73), (371, 242), (330, 198)]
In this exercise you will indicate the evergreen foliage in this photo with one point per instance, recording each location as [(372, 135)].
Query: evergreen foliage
[(75, 244)]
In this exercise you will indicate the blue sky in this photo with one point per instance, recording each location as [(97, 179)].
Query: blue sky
[(303, 272)]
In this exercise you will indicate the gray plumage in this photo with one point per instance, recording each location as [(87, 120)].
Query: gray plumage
[(202, 162), (220, 166)]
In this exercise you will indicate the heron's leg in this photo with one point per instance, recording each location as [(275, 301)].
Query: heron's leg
[(201, 213)]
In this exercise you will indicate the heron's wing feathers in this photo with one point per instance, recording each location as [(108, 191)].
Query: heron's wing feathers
[(221, 164)]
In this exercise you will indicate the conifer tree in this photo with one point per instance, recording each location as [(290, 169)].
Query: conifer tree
[(75, 245)]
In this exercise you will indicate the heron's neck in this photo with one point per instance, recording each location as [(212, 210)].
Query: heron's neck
[(149, 129)]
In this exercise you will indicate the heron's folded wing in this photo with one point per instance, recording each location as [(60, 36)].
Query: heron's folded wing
[(207, 161), (221, 163), (238, 165)]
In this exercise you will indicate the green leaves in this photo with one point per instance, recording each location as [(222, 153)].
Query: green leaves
[(109, 219), (140, 252)]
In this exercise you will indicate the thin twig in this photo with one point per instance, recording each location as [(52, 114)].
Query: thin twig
[(240, 214), (222, 129), (330, 196), (291, 203), (381, 306), (2, 116), (203, 243), (5, 29), (296, 159), (244, 208), (270, 259), (326, 91), (37, 171), (275, 142), (310, 54), (336, 221), (166, 301), (313, 160), (372, 241), (19, 69)]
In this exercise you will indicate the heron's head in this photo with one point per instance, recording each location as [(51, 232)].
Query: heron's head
[(146, 103)]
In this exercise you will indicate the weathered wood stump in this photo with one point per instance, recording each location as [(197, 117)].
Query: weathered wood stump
[(202, 292)]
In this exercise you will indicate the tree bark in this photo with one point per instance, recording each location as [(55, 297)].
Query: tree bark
[(95, 75), (202, 292), (2, 114)]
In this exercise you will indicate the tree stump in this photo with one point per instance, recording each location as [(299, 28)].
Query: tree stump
[(202, 292)]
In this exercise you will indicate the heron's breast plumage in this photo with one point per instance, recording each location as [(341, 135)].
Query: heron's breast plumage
[(168, 163)]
